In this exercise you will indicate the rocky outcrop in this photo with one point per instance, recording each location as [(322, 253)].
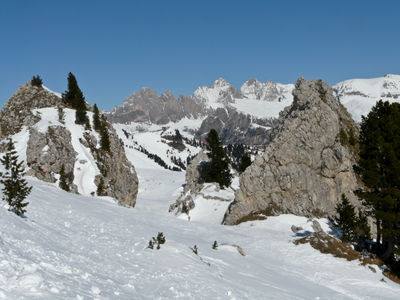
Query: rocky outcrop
[(49, 145), (47, 152), (193, 184), (306, 167), (147, 106), (119, 175), (18, 110)]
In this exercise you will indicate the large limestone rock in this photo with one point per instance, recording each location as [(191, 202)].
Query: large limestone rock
[(305, 168), (47, 152)]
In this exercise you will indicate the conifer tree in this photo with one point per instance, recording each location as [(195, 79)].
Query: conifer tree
[(346, 221), (15, 188), (217, 170), (96, 118), (100, 187), (244, 163), (63, 179), (379, 169), (37, 81), (74, 98), (104, 137)]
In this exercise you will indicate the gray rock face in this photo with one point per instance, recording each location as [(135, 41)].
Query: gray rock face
[(17, 111), (47, 152), (234, 127), (305, 168), (119, 175), (147, 106)]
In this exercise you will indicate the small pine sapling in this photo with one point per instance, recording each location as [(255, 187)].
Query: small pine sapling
[(15, 188), (63, 179), (195, 250), (61, 114), (215, 245)]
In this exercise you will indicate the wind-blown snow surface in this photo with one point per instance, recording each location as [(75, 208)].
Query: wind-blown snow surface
[(79, 247)]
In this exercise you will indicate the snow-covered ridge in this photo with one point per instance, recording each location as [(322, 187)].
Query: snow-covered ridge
[(360, 95)]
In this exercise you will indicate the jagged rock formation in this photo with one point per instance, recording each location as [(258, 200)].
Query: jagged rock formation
[(121, 181), (214, 104), (236, 128), (147, 106), (48, 144), (18, 112), (305, 168), (47, 152)]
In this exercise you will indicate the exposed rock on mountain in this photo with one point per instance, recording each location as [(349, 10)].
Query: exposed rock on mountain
[(47, 138), (48, 151), (305, 168), (18, 110), (236, 128), (147, 106), (268, 91)]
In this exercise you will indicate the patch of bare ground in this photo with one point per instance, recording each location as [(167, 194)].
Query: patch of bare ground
[(331, 245)]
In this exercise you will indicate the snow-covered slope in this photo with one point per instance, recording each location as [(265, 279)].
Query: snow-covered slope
[(85, 167), (77, 247), (360, 95)]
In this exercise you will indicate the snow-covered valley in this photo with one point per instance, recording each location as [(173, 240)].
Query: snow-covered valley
[(78, 247)]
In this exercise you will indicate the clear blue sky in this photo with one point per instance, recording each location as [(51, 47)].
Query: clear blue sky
[(116, 47)]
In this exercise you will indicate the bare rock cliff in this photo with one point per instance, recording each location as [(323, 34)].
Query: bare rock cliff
[(307, 165)]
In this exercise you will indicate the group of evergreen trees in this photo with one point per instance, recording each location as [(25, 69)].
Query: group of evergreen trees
[(379, 169), (15, 188), (37, 81)]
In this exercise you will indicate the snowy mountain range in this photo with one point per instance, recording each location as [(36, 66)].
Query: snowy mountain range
[(85, 246)]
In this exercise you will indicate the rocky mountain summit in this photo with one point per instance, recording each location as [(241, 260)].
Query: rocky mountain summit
[(147, 106), (268, 91), (308, 164), (48, 139)]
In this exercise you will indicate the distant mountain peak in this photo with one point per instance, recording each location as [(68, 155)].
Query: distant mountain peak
[(220, 82)]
